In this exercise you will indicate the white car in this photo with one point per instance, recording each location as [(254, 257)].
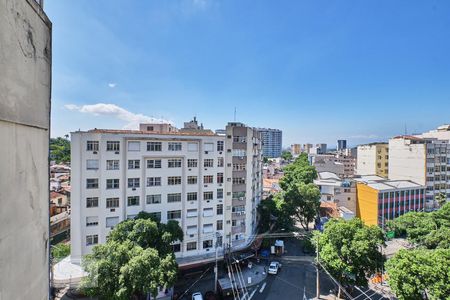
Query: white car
[(197, 296), (274, 267)]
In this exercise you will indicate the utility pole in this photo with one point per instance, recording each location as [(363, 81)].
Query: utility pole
[(216, 270)]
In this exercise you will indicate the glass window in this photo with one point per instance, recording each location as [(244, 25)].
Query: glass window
[(192, 180), (174, 163), (219, 209), (219, 225), (208, 212), (174, 146), (92, 146), (176, 248), (112, 202), (91, 221), (92, 202), (191, 213), (111, 222), (153, 181), (191, 246), (155, 216), (174, 180), (208, 163), (208, 243), (92, 183), (112, 164), (220, 162), (175, 197), (208, 228), (133, 182), (220, 146), (192, 163), (91, 240), (208, 179), (154, 164), (134, 164), (219, 177), (154, 146), (208, 195), (92, 164), (192, 196), (112, 183), (192, 147), (133, 201), (219, 193), (154, 199), (112, 146), (173, 214)]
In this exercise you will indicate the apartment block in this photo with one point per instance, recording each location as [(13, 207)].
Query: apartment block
[(209, 183), (338, 163), (272, 142), (336, 190), (422, 159), (341, 145), (296, 149), (372, 159), (380, 200)]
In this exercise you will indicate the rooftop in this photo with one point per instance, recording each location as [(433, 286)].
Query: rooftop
[(125, 131), (383, 184)]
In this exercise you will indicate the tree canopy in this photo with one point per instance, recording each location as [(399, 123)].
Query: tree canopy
[(350, 250), (136, 259), (60, 149), (286, 155), (273, 215)]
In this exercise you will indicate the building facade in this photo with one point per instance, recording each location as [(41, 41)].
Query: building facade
[(380, 200), (296, 149), (340, 164), (209, 183), (272, 142), (336, 190), (341, 145), (25, 91), (373, 159), (424, 160)]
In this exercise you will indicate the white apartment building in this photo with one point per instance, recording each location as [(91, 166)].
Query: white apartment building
[(423, 160), (340, 164), (373, 159), (336, 190), (209, 183)]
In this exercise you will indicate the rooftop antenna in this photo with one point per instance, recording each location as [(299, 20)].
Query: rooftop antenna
[(406, 130), (235, 114)]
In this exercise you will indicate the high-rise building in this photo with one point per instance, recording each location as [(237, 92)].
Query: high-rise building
[(211, 184), (321, 149), (272, 142), (307, 148), (25, 80), (341, 145), (296, 149), (372, 159), (422, 159), (380, 200)]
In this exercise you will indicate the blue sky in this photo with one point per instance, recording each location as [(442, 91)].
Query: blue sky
[(318, 70)]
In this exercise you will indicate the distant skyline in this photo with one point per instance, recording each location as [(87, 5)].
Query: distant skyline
[(318, 70)]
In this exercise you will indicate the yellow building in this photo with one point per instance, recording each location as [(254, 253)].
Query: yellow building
[(372, 159), (296, 149), (379, 200)]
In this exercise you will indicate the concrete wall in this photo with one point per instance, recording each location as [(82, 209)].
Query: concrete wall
[(25, 64), (407, 161)]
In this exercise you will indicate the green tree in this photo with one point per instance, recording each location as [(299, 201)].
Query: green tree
[(60, 251), (349, 250), (136, 259), (286, 155), (412, 273), (273, 214), (303, 202), (60, 149), (441, 199)]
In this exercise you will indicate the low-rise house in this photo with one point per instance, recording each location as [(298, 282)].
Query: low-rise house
[(333, 189)]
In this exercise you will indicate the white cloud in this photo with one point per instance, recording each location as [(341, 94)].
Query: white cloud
[(112, 110), (112, 84)]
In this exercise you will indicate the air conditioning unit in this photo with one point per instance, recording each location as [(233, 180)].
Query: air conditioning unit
[(207, 201), (205, 185), (206, 169), (95, 152), (112, 210), (220, 152), (206, 152), (191, 235), (133, 189), (190, 169), (117, 152), (220, 184)]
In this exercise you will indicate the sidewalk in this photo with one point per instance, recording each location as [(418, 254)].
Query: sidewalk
[(248, 276)]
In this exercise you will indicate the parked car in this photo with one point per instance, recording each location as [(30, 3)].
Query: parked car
[(274, 267), (197, 296)]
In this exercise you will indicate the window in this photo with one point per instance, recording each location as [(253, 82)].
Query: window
[(219, 193), (92, 202), (219, 225), (174, 163), (219, 177), (92, 164), (233, 223), (92, 183), (238, 167), (174, 180), (192, 229), (191, 246), (112, 183), (209, 147), (134, 146), (91, 240), (208, 228), (133, 201), (207, 244), (219, 145), (239, 195), (111, 222), (192, 147), (112, 202), (176, 248), (154, 146), (192, 180), (154, 164), (239, 139), (112, 146), (208, 163), (174, 146), (192, 196), (219, 209), (155, 216), (91, 221), (208, 212), (176, 197), (191, 213), (239, 152), (92, 146), (208, 195), (173, 214), (112, 164), (238, 180), (133, 182), (134, 164), (150, 128), (153, 181), (154, 199), (192, 163), (208, 179), (220, 162)]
